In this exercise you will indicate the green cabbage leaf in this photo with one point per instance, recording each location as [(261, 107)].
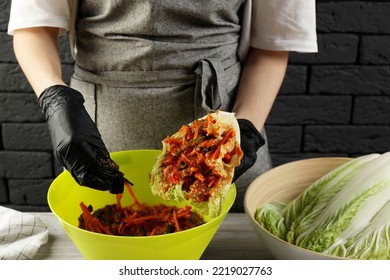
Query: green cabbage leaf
[(343, 213)]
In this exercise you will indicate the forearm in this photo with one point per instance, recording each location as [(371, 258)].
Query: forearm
[(37, 53), (261, 78)]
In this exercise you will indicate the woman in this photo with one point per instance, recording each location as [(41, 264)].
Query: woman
[(146, 67)]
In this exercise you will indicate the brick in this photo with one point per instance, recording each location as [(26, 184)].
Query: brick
[(3, 192), (58, 168), (12, 79), (350, 79), (295, 80), (375, 50), (5, 7), (26, 136), (6, 48), (284, 139), (353, 16), (347, 139), (332, 48), (371, 110), (28, 192), (26, 165), (301, 109), (64, 49), (15, 107)]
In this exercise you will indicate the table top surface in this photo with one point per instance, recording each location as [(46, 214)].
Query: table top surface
[(234, 240)]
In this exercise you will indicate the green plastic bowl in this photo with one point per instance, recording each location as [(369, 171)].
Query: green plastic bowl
[(65, 195)]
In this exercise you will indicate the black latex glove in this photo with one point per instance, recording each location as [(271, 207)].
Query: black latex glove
[(76, 141), (251, 141)]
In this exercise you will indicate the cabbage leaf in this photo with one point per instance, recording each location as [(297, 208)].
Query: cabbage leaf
[(343, 213)]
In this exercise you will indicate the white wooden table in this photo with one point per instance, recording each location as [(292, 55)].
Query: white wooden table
[(234, 240)]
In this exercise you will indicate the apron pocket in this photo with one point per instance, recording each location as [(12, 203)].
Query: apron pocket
[(140, 118)]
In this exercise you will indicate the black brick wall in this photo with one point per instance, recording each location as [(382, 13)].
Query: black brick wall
[(333, 103), (336, 102)]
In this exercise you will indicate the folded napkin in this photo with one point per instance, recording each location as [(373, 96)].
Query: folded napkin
[(21, 234)]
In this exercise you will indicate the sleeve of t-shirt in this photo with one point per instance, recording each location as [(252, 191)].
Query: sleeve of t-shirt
[(38, 13), (284, 25)]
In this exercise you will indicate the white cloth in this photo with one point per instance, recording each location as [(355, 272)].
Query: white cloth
[(288, 25), (21, 234)]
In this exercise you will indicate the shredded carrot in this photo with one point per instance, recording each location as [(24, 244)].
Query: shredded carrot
[(216, 153), (198, 156), (118, 200), (92, 222), (130, 190), (196, 134), (137, 219), (87, 215), (176, 221), (199, 176)]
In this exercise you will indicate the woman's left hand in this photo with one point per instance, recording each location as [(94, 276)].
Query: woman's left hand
[(251, 141)]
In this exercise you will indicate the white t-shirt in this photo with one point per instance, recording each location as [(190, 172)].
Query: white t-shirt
[(284, 25)]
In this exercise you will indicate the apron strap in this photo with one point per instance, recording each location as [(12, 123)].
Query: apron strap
[(137, 79), (216, 79), (215, 82)]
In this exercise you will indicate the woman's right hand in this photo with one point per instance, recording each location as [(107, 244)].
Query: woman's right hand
[(76, 140)]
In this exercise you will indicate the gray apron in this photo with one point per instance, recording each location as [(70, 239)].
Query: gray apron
[(146, 67)]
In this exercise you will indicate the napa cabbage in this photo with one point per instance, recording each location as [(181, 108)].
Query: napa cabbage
[(344, 213)]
